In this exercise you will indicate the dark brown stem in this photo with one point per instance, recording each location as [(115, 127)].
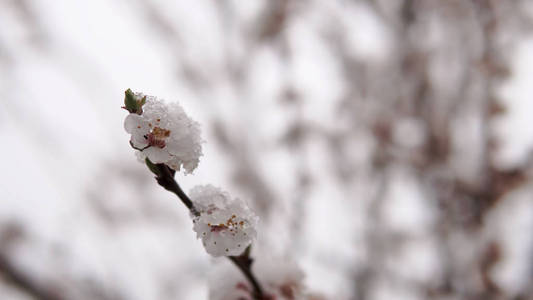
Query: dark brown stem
[(244, 264), (165, 178)]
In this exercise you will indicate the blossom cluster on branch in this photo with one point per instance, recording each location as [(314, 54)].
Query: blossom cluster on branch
[(162, 132), (168, 140), (225, 225)]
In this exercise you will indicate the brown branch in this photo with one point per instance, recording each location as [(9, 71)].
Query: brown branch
[(165, 178), (244, 263)]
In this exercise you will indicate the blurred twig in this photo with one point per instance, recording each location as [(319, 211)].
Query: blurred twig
[(9, 235)]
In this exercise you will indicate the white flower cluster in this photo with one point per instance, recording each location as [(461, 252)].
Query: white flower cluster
[(226, 225), (164, 134), (280, 278)]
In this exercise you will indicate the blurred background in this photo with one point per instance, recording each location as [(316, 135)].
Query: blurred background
[(385, 144)]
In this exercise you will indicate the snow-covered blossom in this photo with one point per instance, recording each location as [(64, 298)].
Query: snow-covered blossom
[(280, 278), (164, 133), (226, 225)]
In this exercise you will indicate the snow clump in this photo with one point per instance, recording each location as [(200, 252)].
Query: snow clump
[(163, 133), (226, 225)]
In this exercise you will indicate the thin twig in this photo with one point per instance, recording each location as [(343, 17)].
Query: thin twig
[(165, 178), (244, 264)]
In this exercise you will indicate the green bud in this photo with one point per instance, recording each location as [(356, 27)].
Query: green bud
[(153, 167), (131, 104)]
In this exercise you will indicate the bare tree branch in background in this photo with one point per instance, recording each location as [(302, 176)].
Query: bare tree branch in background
[(10, 234)]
